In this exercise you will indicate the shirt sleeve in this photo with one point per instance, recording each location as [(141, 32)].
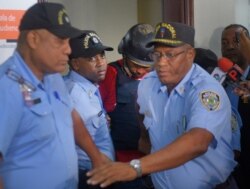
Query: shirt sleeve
[(210, 109), (108, 89), (10, 113)]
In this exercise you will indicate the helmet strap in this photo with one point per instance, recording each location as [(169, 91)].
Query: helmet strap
[(126, 67)]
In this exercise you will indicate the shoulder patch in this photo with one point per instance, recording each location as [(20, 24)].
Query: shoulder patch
[(210, 100)]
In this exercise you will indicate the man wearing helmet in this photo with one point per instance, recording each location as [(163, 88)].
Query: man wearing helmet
[(119, 92)]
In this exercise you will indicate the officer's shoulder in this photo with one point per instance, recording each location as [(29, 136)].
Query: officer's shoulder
[(204, 85), (150, 76), (70, 84), (7, 81), (9, 88), (4, 67), (150, 81), (203, 79)]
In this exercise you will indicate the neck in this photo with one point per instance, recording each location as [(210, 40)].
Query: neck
[(29, 61), (170, 88)]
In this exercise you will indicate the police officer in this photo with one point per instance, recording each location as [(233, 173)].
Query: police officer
[(187, 115), (37, 146), (119, 92), (232, 40), (88, 67)]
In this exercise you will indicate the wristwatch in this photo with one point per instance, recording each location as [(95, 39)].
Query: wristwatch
[(136, 164)]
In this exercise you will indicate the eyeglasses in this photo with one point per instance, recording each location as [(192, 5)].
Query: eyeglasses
[(156, 56)]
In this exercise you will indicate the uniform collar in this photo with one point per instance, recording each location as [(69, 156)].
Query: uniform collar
[(24, 70), (85, 84), (181, 87)]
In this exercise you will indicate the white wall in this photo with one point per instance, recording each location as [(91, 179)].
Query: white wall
[(112, 18), (211, 16), (8, 10), (150, 11), (109, 18)]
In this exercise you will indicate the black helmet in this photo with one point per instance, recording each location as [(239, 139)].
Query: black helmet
[(133, 44)]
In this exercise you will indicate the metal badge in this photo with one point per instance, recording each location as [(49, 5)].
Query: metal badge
[(26, 87)]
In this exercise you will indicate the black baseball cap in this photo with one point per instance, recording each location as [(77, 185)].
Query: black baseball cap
[(173, 34), (50, 16), (87, 45), (206, 58)]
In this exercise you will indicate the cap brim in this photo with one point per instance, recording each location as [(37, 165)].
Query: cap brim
[(165, 42), (96, 50), (66, 32)]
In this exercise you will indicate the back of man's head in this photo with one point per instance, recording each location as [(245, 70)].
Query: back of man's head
[(206, 58)]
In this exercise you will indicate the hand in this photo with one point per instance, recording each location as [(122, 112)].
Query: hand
[(243, 90), (111, 173), (245, 45), (102, 160)]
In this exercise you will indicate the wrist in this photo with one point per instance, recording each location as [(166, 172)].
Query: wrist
[(136, 165)]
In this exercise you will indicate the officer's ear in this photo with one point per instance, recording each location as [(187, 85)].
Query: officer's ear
[(190, 53), (74, 63), (34, 38)]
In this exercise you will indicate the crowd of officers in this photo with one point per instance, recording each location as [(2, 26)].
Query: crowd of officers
[(156, 118)]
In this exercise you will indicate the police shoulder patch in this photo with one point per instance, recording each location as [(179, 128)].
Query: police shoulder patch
[(210, 100)]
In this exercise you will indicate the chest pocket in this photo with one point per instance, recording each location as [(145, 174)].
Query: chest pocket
[(62, 111), (181, 124), (95, 123), (181, 117), (40, 121)]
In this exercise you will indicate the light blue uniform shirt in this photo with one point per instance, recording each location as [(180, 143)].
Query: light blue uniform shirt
[(198, 101), (36, 141), (87, 102)]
